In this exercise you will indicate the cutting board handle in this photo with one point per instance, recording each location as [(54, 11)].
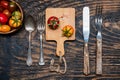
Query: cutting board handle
[(60, 48)]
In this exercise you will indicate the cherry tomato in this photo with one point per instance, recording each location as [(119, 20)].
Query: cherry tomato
[(68, 31), (5, 28), (53, 22), (4, 3), (17, 14), (14, 22), (12, 6), (7, 13), (0, 29), (3, 18)]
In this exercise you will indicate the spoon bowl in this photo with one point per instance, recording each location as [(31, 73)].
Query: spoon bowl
[(29, 24)]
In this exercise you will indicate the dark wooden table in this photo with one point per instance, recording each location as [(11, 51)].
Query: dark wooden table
[(13, 48)]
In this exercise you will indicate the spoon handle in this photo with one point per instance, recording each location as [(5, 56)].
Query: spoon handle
[(41, 61), (29, 58)]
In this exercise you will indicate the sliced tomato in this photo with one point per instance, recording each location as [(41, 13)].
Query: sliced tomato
[(53, 22)]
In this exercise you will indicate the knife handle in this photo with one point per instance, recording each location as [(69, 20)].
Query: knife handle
[(99, 57), (86, 59)]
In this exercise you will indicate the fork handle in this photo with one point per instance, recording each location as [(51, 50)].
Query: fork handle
[(41, 58), (86, 59), (99, 57)]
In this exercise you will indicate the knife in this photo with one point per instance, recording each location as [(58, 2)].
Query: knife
[(86, 32)]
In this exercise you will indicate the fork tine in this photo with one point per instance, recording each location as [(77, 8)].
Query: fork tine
[(39, 21), (40, 17), (43, 20), (99, 9), (43, 16)]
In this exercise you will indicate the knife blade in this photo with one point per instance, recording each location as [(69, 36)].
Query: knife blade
[(86, 33)]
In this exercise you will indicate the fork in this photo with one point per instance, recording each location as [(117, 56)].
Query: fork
[(98, 24), (41, 29)]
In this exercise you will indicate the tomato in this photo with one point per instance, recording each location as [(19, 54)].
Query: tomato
[(0, 28), (17, 14), (53, 22), (5, 28), (7, 13), (68, 31), (14, 22), (12, 6), (3, 18), (4, 3)]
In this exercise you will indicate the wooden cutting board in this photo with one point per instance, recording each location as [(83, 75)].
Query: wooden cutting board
[(66, 17)]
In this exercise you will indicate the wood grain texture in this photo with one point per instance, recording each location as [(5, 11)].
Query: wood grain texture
[(13, 48)]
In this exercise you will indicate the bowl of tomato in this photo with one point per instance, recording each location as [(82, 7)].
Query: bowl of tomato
[(11, 16)]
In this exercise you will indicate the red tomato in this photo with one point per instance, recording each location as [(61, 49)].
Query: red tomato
[(3, 18), (4, 3), (53, 22), (7, 13), (12, 6)]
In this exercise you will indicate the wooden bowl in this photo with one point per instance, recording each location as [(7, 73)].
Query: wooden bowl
[(15, 29)]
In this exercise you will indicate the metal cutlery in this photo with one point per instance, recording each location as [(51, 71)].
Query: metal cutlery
[(98, 24), (41, 29), (86, 32), (29, 26)]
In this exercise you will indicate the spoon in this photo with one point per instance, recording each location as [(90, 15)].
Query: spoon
[(29, 26)]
